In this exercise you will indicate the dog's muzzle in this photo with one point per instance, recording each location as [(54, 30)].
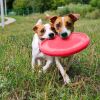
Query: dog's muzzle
[(51, 35), (64, 35), (42, 39)]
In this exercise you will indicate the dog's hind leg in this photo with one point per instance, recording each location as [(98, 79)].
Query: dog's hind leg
[(62, 71), (38, 62)]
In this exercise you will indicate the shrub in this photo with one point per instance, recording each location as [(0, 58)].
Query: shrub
[(21, 5), (63, 10), (94, 14), (95, 3), (75, 8), (57, 3), (12, 13), (80, 8)]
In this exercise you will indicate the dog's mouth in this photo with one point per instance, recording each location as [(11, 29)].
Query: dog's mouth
[(42, 39)]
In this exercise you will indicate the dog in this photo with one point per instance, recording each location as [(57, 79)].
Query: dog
[(44, 32), (63, 26), (41, 32)]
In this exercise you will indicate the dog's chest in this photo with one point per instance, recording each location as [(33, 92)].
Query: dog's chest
[(35, 47)]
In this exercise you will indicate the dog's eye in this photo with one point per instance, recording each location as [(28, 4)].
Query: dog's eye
[(43, 30), (58, 25), (68, 24)]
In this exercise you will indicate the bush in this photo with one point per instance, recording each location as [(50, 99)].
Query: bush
[(95, 3), (63, 10), (80, 8), (94, 14), (21, 5), (58, 3), (98, 5), (75, 8), (12, 13)]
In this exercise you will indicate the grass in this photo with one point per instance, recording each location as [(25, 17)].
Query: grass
[(17, 82)]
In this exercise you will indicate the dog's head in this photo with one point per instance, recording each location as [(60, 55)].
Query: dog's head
[(43, 31), (64, 26)]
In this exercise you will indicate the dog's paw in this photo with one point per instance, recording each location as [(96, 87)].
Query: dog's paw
[(66, 80), (40, 71)]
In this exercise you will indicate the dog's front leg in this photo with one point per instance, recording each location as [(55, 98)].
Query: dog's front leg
[(63, 73), (33, 62), (70, 60), (48, 63)]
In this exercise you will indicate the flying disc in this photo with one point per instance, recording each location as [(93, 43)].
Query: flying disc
[(76, 42)]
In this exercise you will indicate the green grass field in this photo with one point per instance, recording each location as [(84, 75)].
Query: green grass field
[(17, 82)]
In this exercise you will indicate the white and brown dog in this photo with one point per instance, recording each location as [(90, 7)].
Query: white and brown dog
[(63, 26), (41, 32)]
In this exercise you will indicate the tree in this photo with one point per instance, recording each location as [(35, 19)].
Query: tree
[(41, 5), (56, 3), (95, 3), (85, 1), (21, 6), (9, 4)]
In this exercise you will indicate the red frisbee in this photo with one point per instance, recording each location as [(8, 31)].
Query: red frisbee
[(76, 42)]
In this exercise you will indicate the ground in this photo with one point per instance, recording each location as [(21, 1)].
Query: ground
[(17, 82)]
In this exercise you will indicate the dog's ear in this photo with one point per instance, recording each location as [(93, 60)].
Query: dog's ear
[(53, 19), (39, 22), (47, 16), (74, 17), (35, 28)]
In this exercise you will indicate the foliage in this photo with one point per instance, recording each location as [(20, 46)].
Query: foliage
[(94, 14), (43, 5), (20, 83), (21, 5), (76, 8), (57, 3), (80, 8), (63, 10), (95, 3), (10, 4), (79, 1)]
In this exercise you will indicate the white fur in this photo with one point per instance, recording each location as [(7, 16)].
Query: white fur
[(48, 31), (64, 28), (62, 71), (37, 54), (39, 22)]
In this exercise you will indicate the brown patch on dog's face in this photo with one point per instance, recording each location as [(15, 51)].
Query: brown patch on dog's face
[(67, 21), (58, 24), (39, 29)]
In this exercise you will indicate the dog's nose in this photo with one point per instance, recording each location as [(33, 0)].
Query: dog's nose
[(51, 35), (64, 35)]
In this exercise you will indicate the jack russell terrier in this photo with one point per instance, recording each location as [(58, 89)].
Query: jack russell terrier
[(45, 32), (41, 32), (63, 26)]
